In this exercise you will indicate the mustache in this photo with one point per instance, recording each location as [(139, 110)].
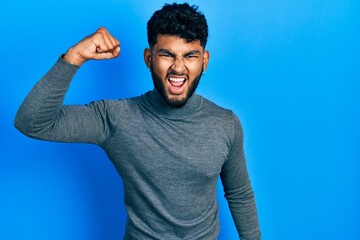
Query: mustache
[(173, 73)]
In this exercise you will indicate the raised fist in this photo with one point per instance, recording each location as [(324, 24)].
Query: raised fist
[(99, 45)]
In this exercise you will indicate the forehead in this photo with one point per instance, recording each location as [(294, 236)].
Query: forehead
[(176, 44)]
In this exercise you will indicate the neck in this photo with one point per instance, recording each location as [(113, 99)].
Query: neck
[(158, 104)]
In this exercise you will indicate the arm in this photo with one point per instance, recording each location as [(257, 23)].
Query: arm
[(42, 114), (238, 191)]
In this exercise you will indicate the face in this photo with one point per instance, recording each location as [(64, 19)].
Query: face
[(176, 67)]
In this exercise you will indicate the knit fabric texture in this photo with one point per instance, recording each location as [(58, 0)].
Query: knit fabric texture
[(168, 158)]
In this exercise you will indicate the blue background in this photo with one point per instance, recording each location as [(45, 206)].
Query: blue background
[(289, 69)]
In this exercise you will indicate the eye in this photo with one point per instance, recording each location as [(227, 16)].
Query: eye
[(192, 57), (166, 55)]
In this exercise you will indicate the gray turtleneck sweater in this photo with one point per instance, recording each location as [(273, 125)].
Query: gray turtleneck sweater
[(169, 158)]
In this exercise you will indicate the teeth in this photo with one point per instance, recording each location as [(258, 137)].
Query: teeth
[(177, 79)]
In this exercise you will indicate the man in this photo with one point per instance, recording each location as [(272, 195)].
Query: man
[(168, 145)]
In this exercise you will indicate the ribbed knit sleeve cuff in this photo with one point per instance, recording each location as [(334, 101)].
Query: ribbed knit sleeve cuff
[(61, 74), (65, 69)]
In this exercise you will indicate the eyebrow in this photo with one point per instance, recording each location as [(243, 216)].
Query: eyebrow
[(166, 51)]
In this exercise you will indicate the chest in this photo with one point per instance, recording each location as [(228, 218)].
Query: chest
[(176, 148)]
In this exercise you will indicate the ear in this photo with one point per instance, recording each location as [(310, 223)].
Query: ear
[(206, 59), (147, 57)]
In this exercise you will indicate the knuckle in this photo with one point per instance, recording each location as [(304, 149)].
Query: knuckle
[(101, 29)]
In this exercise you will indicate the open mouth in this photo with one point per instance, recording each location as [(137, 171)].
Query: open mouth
[(176, 84), (177, 81)]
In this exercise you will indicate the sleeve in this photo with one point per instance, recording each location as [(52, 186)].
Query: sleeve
[(237, 188), (43, 116)]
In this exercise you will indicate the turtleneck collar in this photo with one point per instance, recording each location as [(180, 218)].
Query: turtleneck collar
[(155, 102)]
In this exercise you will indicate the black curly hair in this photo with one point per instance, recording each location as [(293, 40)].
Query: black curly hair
[(180, 20)]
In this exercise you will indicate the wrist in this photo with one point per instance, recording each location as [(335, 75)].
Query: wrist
[(72, 57)]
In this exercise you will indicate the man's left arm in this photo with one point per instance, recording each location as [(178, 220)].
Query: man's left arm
[(238, 191)]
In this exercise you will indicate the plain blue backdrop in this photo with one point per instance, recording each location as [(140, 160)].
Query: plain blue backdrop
[(290, 69)]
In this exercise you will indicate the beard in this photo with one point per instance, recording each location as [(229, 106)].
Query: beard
[(179, 101)]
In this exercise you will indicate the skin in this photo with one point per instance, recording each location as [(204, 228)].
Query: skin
[(176, 65), (98, 46)]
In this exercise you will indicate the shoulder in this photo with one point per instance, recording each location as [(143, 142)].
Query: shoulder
[(222, 114), (222, 117), (116, 107), (116, 103), (223, 122)]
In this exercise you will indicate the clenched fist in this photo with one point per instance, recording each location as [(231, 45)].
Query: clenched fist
[(99, 45)]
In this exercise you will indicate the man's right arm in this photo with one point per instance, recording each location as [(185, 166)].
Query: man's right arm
[(98, 46), (42, 114)]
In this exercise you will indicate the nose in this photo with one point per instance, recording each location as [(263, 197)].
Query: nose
[(178, 65)]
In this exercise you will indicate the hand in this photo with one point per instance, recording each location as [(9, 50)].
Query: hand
[(99, 45)]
